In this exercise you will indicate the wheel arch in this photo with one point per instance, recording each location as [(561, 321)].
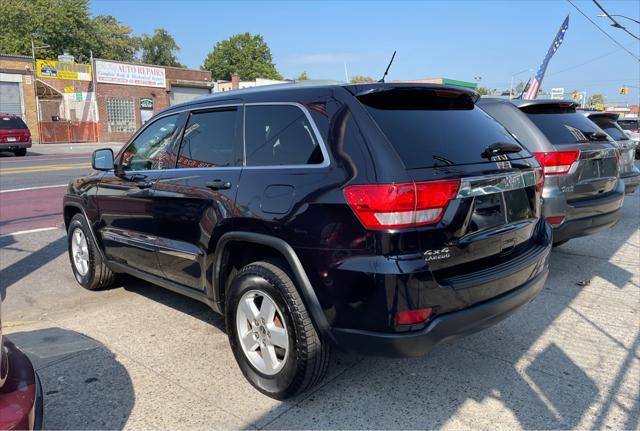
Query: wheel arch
[(283, 250), (69, 211)]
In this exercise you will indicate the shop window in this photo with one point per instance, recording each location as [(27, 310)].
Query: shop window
[(121, 116)]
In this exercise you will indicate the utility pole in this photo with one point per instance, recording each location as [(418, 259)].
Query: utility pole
[(35, 86)]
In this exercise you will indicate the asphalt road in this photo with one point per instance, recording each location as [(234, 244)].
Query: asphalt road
[(31, 189), (138, 356)]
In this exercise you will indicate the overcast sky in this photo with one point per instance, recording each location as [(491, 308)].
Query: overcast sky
[(454, 39)]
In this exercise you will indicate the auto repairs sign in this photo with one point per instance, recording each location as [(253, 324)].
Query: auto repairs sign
[(108, 72)]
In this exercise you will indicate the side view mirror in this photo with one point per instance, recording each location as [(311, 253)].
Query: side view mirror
[(102, 159)]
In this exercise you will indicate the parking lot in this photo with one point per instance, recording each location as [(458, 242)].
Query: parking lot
[(137, 356)]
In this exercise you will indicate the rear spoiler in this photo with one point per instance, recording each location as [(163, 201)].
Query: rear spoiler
[(589, 114), (377, 88), (548, 103)]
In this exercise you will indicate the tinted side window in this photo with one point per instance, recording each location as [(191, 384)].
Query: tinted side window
[(209, 139), (611, 127), (280, 135), (151, 148)]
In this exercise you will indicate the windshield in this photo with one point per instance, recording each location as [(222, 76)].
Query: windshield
[(429, 129), (12, 123)]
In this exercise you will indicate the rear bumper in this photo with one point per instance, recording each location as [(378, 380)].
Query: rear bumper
[(21, 402), (631, 180), (444, 327), (586, 226), (10, 146)]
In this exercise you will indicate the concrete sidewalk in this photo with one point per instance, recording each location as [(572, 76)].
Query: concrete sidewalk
[(73, 148)]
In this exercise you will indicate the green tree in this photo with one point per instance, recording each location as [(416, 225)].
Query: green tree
[(113, 40), (160, 48), (244, 53), (358, 79), (64, 25), (483, 91), (303, 76)]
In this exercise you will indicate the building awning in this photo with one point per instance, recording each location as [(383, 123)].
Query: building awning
[(46, 91)]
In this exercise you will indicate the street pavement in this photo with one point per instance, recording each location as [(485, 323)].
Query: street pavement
[(138, 356)]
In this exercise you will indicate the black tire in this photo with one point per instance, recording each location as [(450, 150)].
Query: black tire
[(21, 152), (308, 357), (98, 276)]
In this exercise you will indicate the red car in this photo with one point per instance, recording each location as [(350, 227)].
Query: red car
[(20, 391), (14, 135)]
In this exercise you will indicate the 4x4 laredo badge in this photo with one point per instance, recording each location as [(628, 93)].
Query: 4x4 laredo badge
[(431, 255)]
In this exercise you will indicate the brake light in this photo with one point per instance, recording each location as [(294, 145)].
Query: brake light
[(555, 220), (557, 162), (412, 317), (394, 206)]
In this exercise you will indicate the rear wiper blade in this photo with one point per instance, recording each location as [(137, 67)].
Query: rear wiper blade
[(499, 148)]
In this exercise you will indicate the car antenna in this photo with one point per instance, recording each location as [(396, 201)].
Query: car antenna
[(387, 71)]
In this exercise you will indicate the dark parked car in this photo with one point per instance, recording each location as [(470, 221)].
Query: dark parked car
[(14, 135), (607, 121), (582, 191), (381, 218), (21, 404)]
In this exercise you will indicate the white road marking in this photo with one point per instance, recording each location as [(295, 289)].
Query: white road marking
[(22, 232), (33, 188)]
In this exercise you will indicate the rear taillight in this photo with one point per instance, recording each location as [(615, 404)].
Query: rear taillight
[(393, 206), (412, 317), (557, 162), (555, 220)]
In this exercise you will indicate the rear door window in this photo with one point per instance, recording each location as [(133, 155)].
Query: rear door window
[(277, 135), (564, 127), (611, 127), (431, 128), (210, 139), (12, 123)]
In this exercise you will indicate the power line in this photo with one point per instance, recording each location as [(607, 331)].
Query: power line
[(616, 24), (583, 63), (606, 34)]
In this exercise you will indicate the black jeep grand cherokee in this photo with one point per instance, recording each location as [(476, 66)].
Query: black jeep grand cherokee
[(382, 218)]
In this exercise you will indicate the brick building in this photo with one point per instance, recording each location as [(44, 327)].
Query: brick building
[(104, 101), (17, 90)]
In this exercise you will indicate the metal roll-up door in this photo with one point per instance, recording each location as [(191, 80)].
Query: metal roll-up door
[(10, 100)]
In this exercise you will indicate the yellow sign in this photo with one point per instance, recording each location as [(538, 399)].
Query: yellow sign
[(69, 89), (600, 106), (624, 90), (63, 70)]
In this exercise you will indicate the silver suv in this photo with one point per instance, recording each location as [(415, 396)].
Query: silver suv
[(583, 192), (607, 121)]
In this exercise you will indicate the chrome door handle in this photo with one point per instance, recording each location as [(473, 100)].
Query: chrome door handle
[(218, 185)]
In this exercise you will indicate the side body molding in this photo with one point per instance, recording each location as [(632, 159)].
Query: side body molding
[(306, 290)]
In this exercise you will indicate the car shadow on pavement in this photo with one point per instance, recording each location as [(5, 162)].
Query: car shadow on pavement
[(29, 263), (84, 384)]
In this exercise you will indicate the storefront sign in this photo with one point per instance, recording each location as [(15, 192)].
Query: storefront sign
[(130, 74), (63, 70), (146, 103)]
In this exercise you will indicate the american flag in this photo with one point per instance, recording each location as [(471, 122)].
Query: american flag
[(532, 92)]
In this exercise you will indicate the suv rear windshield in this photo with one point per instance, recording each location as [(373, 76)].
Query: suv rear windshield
[(433, 127), (629, 124), (610, 126), (564, 126), (12, 123)]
